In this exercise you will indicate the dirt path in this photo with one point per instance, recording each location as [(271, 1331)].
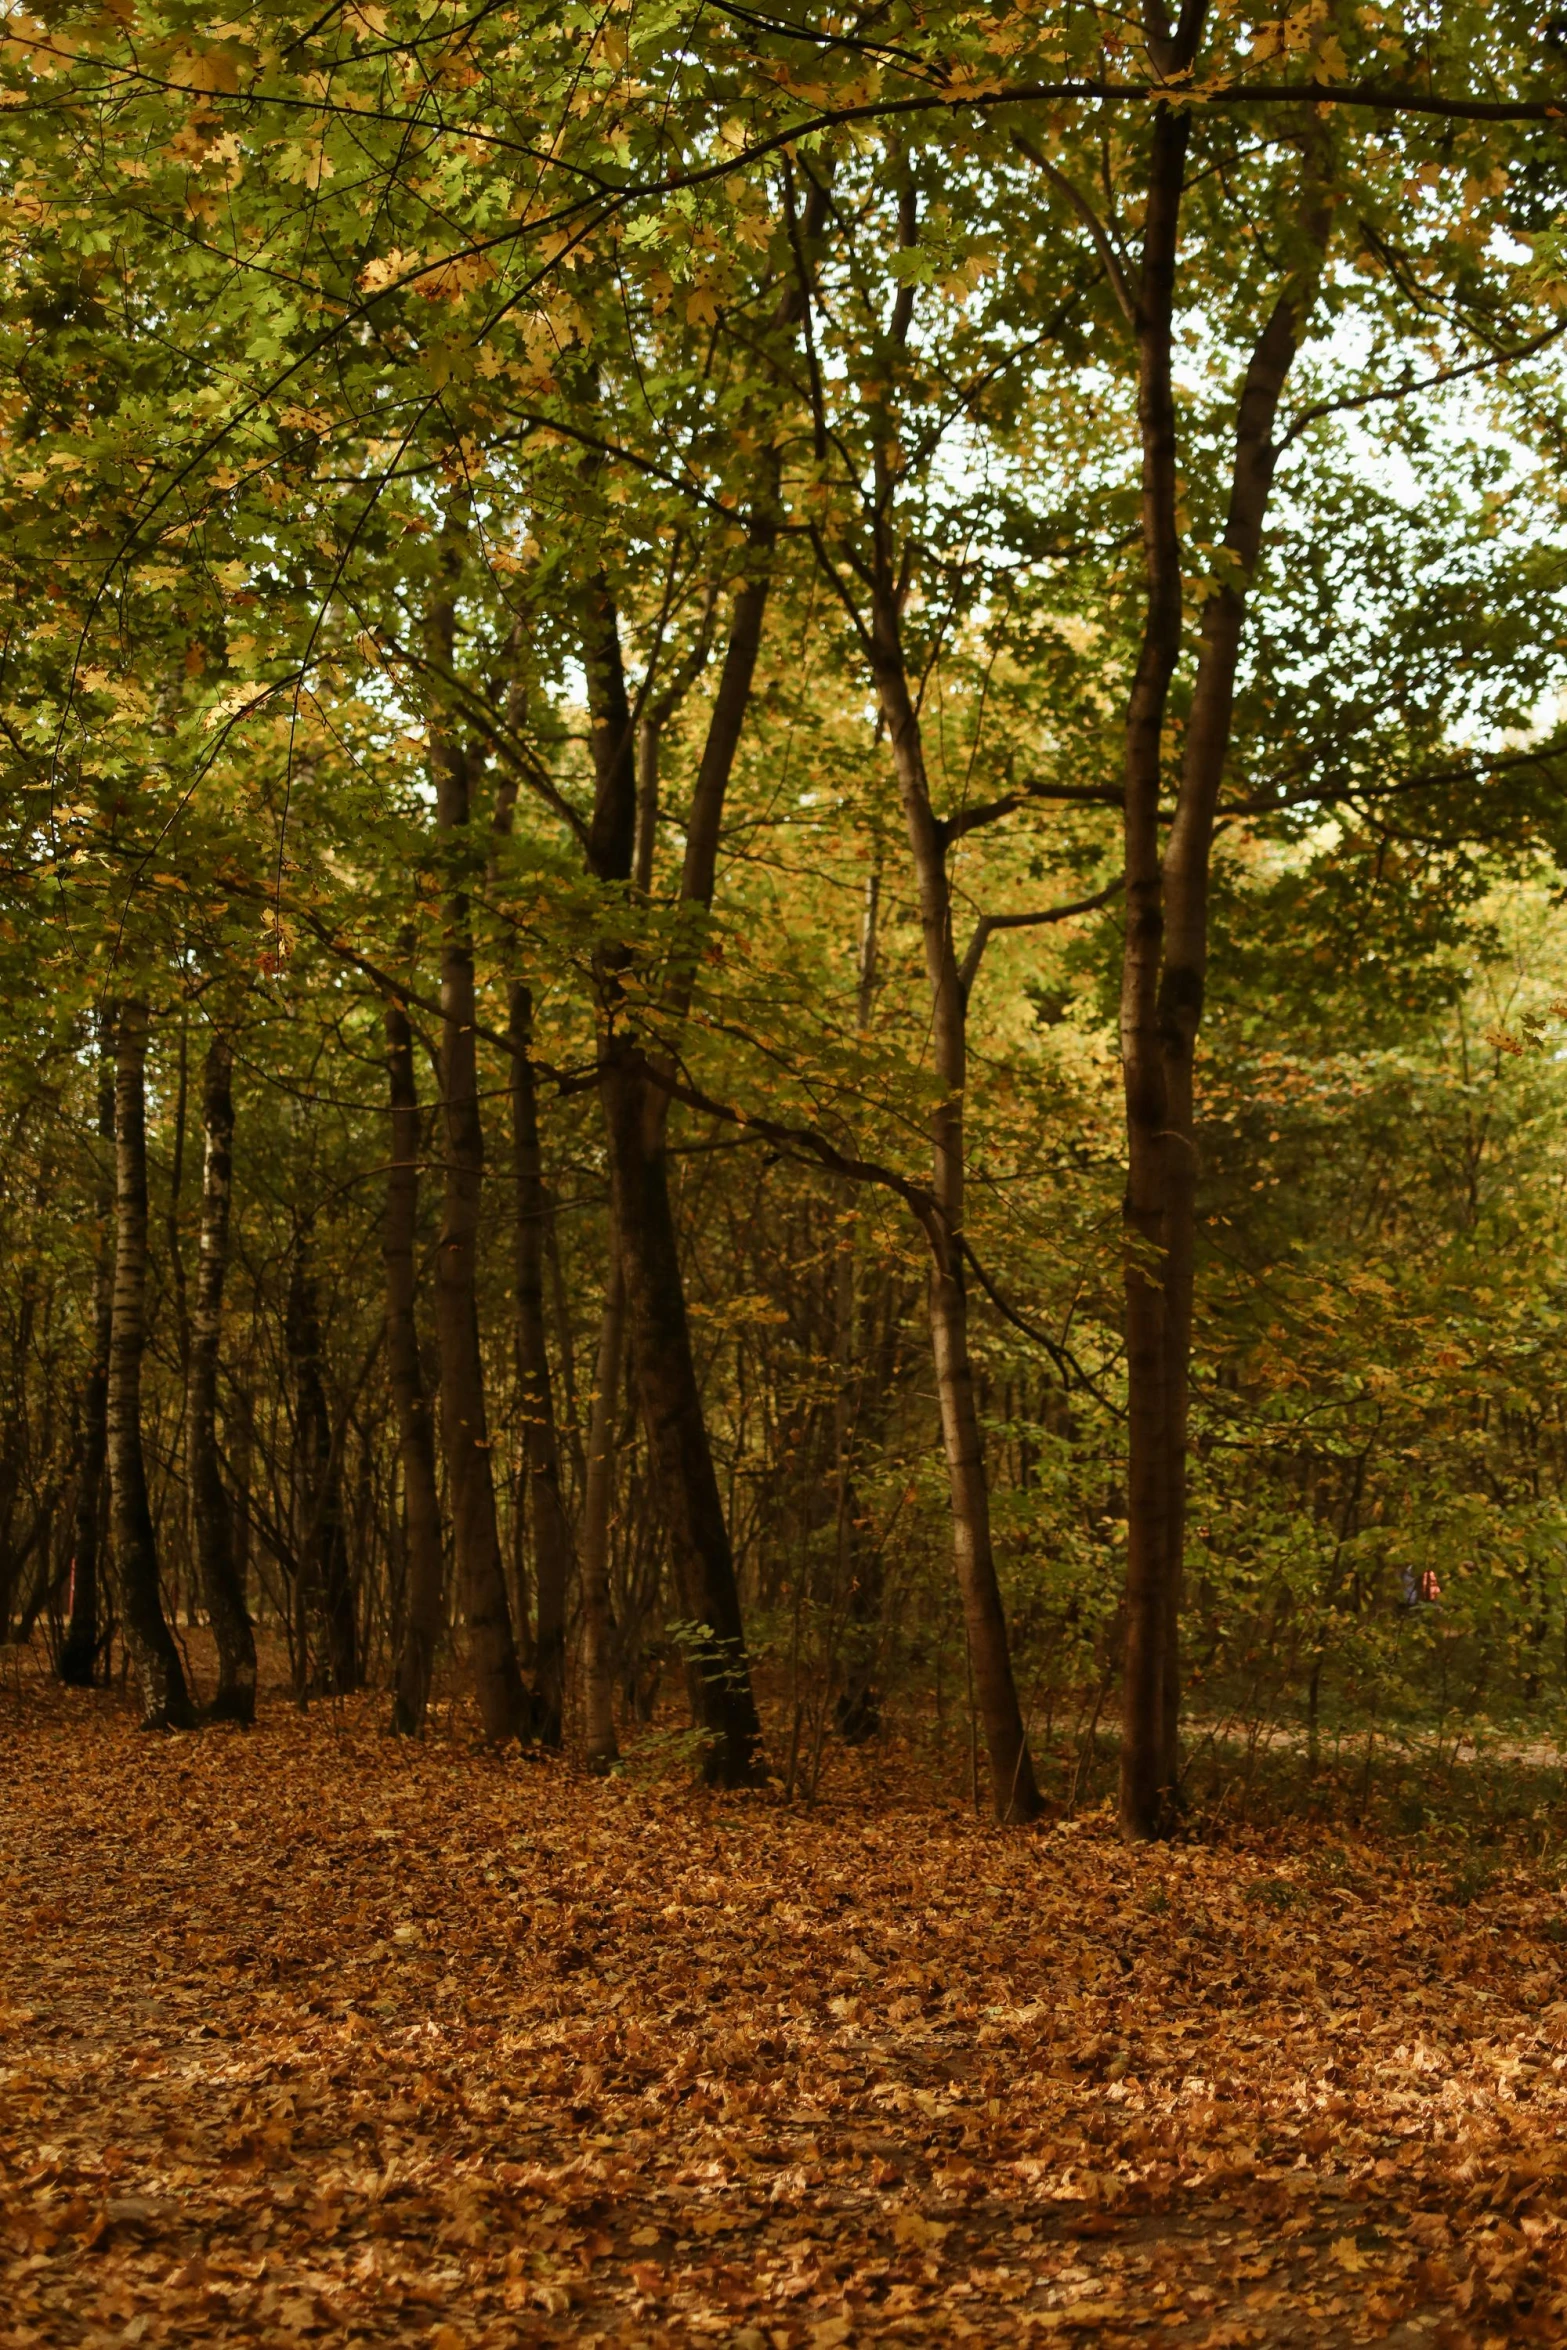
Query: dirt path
[(305, 2036)]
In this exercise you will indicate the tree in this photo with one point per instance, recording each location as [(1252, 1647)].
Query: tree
[(212, 1520), (165, 1699)]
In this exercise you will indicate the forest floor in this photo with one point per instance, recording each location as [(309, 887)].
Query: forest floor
[(310, 2037)]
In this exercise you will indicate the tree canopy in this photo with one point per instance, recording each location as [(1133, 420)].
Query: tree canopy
[(781, 867)]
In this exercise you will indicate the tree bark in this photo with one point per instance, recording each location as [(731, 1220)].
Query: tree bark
[(1186, 869), (553, 1548), (465, 1432), (79, 1649), (165, 1700), (416, 1437), (1146, 1789), (175, 1237), (635, 1116), (1165, 961), (1014, 1792), (327, 1590), (241, 1450), (637, 1109), (600, 1746), (718, 1674), (211, 1516), (858, 1710)]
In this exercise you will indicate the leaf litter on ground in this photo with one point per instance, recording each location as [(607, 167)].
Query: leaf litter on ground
[(310, 2036)]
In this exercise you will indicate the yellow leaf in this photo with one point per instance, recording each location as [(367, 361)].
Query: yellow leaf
[(912, 2227), (204, 69)]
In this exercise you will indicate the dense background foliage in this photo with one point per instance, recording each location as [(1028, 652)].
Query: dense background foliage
[(349, 362)]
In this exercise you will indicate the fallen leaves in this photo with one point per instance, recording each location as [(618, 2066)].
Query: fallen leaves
[(314, 2037)]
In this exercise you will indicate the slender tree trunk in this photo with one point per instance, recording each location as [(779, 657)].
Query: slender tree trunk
[(465, 1431), (600, 1746), (1186, 869), (553, 1548), (717, 1668), (635, 1115), (211, 1517), (79, 1649), (859, 1569), (620, 850), (416, 1437), (573, 1462), (1164, 970), (176, 1242), (542, 1489), (647, 1268), (327, 1586), (1014, 1791), (242, 1445), (165, 1700), (1146, 1788)]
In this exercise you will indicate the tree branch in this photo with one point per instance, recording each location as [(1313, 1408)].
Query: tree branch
[(1096, 228), (987, 924)]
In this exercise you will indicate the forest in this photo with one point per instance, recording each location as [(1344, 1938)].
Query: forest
[(783, 1251)]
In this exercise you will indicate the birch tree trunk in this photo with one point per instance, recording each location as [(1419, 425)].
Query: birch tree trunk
[(211, 1517), (165, 1700)]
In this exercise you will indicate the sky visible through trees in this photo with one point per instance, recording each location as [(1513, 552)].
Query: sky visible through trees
[(785, 1015)]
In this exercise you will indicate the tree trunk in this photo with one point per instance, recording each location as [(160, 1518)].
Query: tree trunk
[(165, 1700), (176, 1240), (718, 1674), (241, 1449), (553, 1548), (1164, 973), (600, 1746), (601, 1749), (211, 1516), (465, 1432), (416, 1437), (1146, 1787), (858, 1710), (79, 1649), (1014, 1793), (326, 1586), (620, 850), (1187, 863), (1166, 952)]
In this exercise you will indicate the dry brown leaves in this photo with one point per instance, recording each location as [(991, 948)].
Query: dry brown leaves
[(306, 2036)]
